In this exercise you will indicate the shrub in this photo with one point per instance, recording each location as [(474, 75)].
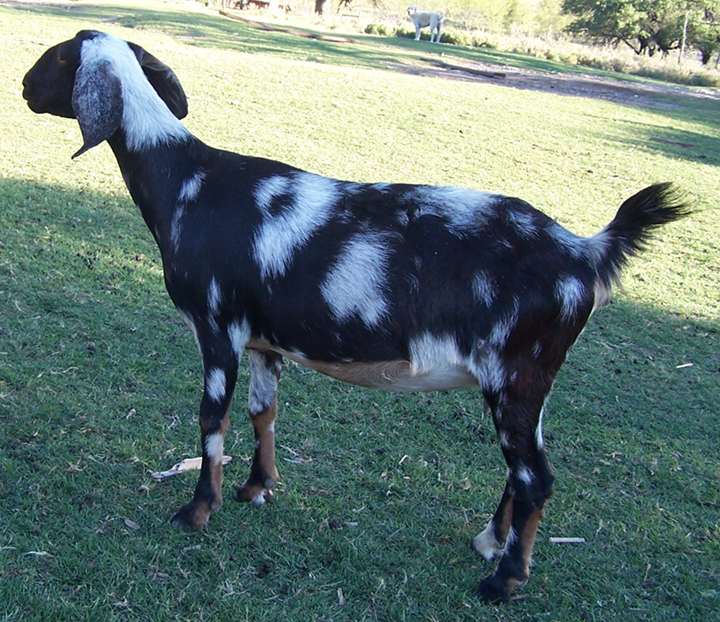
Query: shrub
[(379, 29)]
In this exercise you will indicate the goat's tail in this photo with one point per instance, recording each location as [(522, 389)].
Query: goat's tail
[(631, 229)]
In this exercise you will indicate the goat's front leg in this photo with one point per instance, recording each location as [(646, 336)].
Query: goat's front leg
[(529, 485), (417, 32), (262, 405), (220, 364)]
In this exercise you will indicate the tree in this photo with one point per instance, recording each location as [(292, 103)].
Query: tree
[(646, 26), (704, 33)]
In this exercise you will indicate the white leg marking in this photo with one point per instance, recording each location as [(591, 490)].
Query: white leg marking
[(486, 544), (525, 475), (263, 384), (216, 384), (214, 446)]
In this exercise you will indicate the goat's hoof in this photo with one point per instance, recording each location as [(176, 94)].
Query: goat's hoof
[(191, 516), (492, 589), (255, 494)]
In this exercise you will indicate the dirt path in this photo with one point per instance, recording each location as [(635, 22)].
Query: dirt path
[(644, 94)]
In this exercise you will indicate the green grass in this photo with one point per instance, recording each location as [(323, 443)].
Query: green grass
[(100, 381)]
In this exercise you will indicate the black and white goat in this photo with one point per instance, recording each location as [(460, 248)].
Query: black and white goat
[(394, 286), (424, 19)]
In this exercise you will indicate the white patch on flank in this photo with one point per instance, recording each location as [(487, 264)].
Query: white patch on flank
[(486, 544), (282, 234), (355, 284), (536, 350), (539, 442), (525, 475), (523, 223), (487, 367), (502, 329), (190, 188), (214, 446), (483, 287), (504, 439), (263, 384), (466, 211), (146, 120), (569, 291), (215, 384), (239, 333), (268, 188)]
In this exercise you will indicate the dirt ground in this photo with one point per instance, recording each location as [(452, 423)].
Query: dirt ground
[(634, 93), (643, 94)]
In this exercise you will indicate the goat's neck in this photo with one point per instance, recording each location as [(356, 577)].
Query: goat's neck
[(154, 177)]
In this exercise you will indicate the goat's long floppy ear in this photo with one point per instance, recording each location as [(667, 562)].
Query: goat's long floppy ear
[(163, 80), (97, 103)]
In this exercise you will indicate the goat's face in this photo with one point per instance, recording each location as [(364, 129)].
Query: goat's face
[(48, 86), (70, 80)]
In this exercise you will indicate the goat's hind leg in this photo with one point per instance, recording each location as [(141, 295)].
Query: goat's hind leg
[(490, 541), (262, 405), (517, 417), (220, 369)]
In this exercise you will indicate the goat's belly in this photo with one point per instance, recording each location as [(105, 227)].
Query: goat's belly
[(387, 375)]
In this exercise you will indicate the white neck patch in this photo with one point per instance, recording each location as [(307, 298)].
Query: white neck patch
[(147, 121)]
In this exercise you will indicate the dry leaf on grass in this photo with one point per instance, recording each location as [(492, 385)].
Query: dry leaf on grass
[(189, 464)]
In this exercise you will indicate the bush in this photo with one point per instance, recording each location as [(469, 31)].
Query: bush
[(381, 30)]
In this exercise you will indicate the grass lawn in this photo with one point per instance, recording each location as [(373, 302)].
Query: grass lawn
[(100, 380)]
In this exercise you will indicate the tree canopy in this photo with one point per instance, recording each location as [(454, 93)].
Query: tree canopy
[(649, 26)]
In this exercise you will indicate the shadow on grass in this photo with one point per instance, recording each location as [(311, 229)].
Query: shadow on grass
[(669, 141)]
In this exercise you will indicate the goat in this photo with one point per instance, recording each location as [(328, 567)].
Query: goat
[(423, 19), (393, 286)]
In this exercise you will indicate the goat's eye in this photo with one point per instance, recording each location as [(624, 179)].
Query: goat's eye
[(60, 58)]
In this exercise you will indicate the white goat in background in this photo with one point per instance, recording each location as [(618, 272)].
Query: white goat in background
[(423, 19)]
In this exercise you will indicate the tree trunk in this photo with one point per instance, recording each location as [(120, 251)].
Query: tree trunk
[(684, 37), (320, 7)]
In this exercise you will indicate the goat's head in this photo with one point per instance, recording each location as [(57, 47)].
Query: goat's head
[(83, 78), (412, 10)]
